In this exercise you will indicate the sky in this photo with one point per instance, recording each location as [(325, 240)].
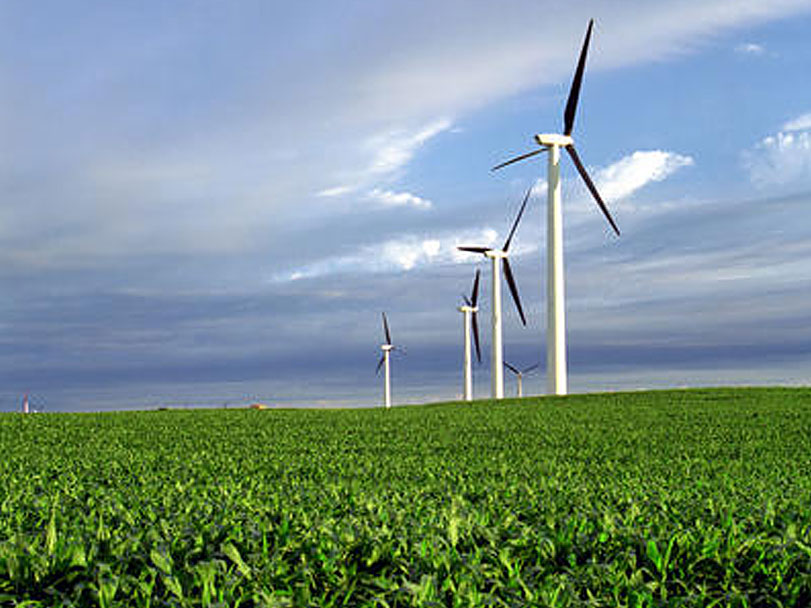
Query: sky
[(210, 203)]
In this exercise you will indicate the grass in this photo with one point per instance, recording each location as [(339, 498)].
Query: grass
[(666, 498)]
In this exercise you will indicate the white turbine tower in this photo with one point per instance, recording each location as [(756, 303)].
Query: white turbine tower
[(469, 318), (387, 347), (519, 376), (557, 383), (497, 356)]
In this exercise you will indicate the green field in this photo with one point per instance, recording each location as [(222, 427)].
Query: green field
[(672, 498)]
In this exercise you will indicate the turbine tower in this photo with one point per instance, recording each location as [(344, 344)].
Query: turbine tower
[(519, 376), (497, 356), (469, 317), (387, 347), (557, 382)]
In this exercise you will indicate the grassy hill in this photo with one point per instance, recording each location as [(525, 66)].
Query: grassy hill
[(665, 498)]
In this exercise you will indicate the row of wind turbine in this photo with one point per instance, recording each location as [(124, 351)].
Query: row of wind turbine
[(557, 374)]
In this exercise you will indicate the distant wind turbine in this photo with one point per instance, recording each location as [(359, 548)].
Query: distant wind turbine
[(557, 382), (469, 318), (387, 347), (496, 358), (519, 375)]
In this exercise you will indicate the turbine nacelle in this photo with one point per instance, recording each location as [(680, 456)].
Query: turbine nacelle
[(468, 309), (386, 347), (554, 139), (496, 254)]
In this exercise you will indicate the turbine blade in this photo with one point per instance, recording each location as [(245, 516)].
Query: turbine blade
[(475, 296), (511, 368), (467, 301), (574, 91), (475, 321), (386, 329), (471, 249), (590, 185), (508, 274), (518, 159), (380, 364), (517, 219), (530, 368)]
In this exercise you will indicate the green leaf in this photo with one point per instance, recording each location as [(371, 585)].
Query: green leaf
[(78, 556), (173, 585), (654, 555), (163, 562), (50, 534), (233, 554)]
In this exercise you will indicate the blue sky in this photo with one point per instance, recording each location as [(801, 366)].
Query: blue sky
[(209, 202)]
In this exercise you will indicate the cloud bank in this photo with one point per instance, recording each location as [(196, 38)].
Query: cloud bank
[(618, 181), (403, 253)]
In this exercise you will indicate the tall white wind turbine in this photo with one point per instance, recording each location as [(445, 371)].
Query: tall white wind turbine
[(387, 347), (497, 352), (469, 319), (557, 382), (519, 376)]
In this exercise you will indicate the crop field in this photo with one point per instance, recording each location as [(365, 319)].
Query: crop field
[(671, 498)]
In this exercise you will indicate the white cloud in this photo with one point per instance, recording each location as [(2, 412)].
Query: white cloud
[(517, 49), (539, 188), (801, 123), (632, 172), (616, 181), (750, 48), (389, 153), (403, 253), (336, 191), (484, 238), (388, 198), (407, 253), (394, 149), (782, 159)]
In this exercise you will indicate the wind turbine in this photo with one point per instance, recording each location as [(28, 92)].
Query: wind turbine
[(387, 347), (557, 382), (469, 317), (519, 375), (497, 357)]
